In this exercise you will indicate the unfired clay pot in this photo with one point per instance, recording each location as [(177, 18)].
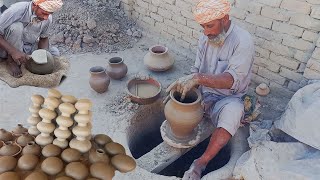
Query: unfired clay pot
[(52, 166), (24, 139), (116, 68), (64, 178), (69, 99), (19, 130), (101, 170), (114, 148), (70, 155), (10, 149), (41, 69), (32, 148), (98, 156), (158, 58), (51, 150), (123, 163), (28, 162), (184, 116), (102, 139), (7, 163), (38, 175), (77, 170), (5, 135), (99, 80), (10, 175)]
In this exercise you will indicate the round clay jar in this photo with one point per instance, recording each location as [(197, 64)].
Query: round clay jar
[(10, 176), (102, 139), (114, 148), (52, 166), (7, 163), (28, 162), (51, 150), (70, 155), (38, 175), (98, 156), (19, 130), (123, 163), (77, 170), (32, 148), (10, 149), (24, 139), (64, 178), (5, 135), (102, 170)]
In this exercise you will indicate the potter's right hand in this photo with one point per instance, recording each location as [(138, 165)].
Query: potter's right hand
[(184, 84), (19, 57)]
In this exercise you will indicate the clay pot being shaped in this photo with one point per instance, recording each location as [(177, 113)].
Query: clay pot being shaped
[(52, 166), (102, 139), (99, 80), (98, 156), (7, 163), (32, 148), (24, 139), (101, 170), (123, 163), (158, 58), (116, 68), (77, 170), (36, 65), (37, 176), (70, 155), (10, 149), (5, 135), (10, 175), (184, 116), (28, 162), (19, 130)]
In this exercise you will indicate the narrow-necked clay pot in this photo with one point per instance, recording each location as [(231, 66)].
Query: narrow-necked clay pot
[(123, 163), (158, 58), (24, 139), (102, 170), (28, 162), (114, 148), (70, 155), (38, 175), (69, 99), (5, 135), (98, 156), (10, 149), (51, 150), (9, 175), (7, 163), (184, 116), (116, 68), (99, 80), (19, 130), (102, 139), (77, 170), (52, 166), (32, 148)]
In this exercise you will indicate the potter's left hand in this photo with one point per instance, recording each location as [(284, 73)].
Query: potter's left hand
[(184, 84)]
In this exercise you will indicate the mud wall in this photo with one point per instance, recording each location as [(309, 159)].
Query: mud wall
[(286, 34)]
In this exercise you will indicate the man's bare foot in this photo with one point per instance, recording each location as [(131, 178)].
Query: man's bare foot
[(14, 69)]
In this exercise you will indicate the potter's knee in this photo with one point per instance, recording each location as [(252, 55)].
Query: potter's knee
[(235, 108), (15, 28)]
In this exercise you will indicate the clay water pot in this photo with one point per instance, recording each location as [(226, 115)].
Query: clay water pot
[(10, 149), (77, 170), (5, 135), (116, 68), (24, 139), (101, 170), (40, 68), (28, 162), (19, 130), (123, 163), (70, 155), (99, 80), (102, 139), (98, 156), (52, 166), (37, 176), (158, 58), (51, 150), (10, 175), (7, 163), (32, 148), (114, 148), (184, 116)]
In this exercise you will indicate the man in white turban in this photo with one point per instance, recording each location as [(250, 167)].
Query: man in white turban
[(24, 27), (222, 71)]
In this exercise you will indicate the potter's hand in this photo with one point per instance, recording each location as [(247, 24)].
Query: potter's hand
[(19, 57), (183, 85), (194, 172)]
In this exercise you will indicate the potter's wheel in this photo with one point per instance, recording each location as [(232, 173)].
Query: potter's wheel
[(170, 139)]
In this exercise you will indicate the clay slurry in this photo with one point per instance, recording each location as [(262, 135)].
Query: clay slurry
[(144, 90)]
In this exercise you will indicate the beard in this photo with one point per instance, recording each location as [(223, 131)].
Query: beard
[(218, 41)]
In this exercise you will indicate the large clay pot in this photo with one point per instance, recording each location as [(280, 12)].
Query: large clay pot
[(116, 68), (99, 80), (158, 58), (28, 162), (41, 69), (184, 116)]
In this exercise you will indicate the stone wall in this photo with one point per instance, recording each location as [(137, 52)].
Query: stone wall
[(286, 34)]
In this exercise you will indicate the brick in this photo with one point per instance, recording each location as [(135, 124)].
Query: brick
[(180, 20), (194, 25), (273, 3), (183, 43), (259, 42), (292, 86), (278, 48), (161, 26), (287, 28), (156, 2), (164, 13), (170, 22), (275, 13), (280, 90), (316, 53), (296, 6), (187, 14), (192, 41), (254, 8), (238, 13), (311, 74), (305, 21), (184, 29), (298, 43), (142, 4), (196, 34), (302, 56), (269, 35), (183, 5), (271, 76), (290, 74), (315, 13), (289, 63), (304, 82), (172, 2), (259, 20), (148, 20), (313, 64), (247, 26), (142, 11), (156, 17), (301, 68), (153, 8), (255, 69), (318, 42), (167, 35), (313, 1), (173, 31), (171, 8), (267, 64), (258, 79), (310, 36), (262, 52)]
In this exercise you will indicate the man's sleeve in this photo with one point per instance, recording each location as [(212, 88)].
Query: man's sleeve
[(240, 63), (45, 30), (9, 16), (200, 55)]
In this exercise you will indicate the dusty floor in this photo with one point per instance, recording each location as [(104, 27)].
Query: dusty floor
[(111, 113)]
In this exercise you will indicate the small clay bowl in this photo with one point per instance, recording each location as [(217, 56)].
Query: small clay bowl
[(135, 84)]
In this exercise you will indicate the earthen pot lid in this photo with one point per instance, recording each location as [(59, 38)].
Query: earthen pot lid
[(123, 163), (102, 139), (77, 170), (71, 155), (262, 89), (52, 165), (114, 148), (51, 150)]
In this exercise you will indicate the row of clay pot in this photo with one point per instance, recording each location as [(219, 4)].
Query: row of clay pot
[(10, 136)]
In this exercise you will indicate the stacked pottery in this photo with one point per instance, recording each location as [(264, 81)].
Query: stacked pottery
[(184, 116), (70, 155), (5, 135), (116, 68), (158, 58), (52, 166), (28, 162), (32, 148), (34, 119), (19, 130), (99, 80), (7, 163), (98, 156), (10, 149), (77, 170), (24, 139)]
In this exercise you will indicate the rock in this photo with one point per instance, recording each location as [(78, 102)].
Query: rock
[(137, 34), (68, 40), (129, 32), (88, 39), (91, 24), (77, 45), (57, 38)]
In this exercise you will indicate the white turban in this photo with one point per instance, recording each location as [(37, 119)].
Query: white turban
[(209, 10), (49, 5)]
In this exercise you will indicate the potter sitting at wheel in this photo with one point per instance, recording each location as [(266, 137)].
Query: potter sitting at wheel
[(24, 27), (222, 71)]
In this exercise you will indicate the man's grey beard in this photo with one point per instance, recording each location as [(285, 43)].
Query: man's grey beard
[(219, 40)]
